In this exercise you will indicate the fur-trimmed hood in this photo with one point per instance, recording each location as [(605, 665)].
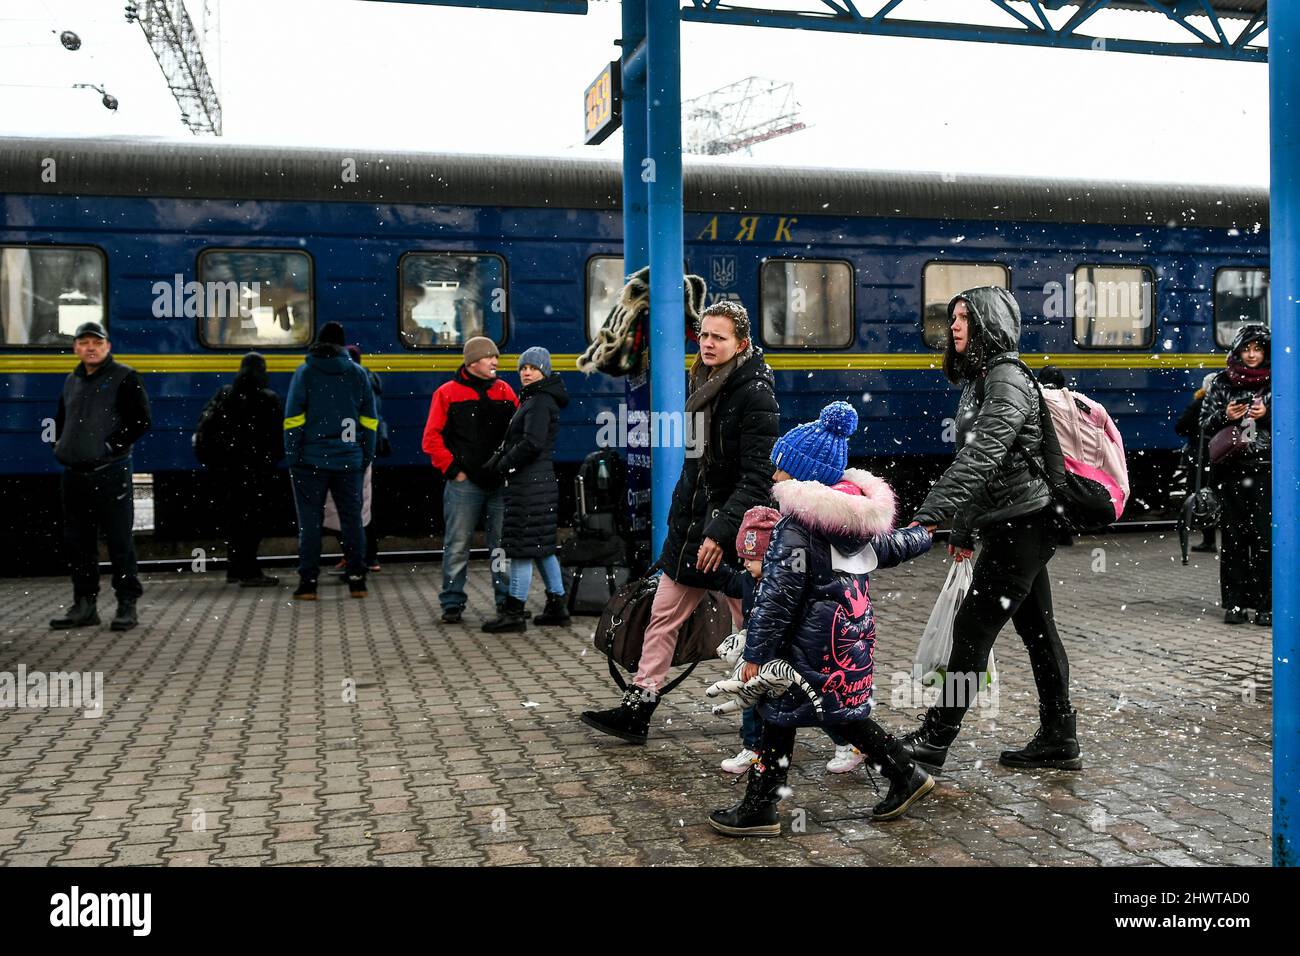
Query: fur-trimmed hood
[(849, 520)]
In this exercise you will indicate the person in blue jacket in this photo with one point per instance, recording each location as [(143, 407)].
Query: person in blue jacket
[(811, 636), (329, 440)]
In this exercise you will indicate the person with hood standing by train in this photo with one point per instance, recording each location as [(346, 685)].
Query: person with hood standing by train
[(242, 430), (1240, 398), (329, 437), (731, 405), (532, 494), (995, 490)]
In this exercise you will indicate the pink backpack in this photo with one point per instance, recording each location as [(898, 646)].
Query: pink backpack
[(1090, 442)]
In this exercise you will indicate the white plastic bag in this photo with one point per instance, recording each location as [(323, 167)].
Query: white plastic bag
[(931, 662)]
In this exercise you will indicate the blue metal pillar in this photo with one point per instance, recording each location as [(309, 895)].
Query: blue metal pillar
[(636, 147), (1284, 220), (664, 174)]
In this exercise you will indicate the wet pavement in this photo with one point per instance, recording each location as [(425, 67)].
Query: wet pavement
[(241, 728)]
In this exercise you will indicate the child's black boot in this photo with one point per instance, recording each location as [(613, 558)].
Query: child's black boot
[(755, 814)]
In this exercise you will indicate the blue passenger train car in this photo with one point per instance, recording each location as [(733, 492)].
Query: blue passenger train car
[(194, 252)]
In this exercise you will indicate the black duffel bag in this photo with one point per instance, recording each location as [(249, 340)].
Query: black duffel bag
[(623, 623)]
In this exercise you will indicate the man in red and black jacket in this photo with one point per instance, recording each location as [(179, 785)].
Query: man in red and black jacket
[(468, 418)]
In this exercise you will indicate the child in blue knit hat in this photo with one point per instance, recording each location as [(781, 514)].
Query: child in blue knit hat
[(809, 657)]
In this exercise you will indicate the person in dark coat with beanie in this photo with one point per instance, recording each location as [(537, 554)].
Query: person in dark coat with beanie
[(532, 493), (329, 429), (991, 490), (1240, 397), (244, 428), (731, 405), (810, 643)]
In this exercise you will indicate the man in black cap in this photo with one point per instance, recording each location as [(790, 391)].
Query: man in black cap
[(103, 410)]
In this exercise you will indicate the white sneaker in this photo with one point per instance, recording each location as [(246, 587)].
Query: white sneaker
[(845, 760), (741, 762)]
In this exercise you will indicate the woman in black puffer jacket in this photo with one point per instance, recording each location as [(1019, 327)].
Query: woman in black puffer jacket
[(732, 403), (1240, 397), (532, 494), (991, 489)]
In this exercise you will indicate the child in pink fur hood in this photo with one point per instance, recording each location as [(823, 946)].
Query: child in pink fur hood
[(813, 615)]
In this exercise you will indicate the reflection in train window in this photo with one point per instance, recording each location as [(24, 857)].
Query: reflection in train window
[(806, 303), (940, 281), (254, 298), (605, 280), (450, 297), (1114, 307), (1240, 298), (46, 292)]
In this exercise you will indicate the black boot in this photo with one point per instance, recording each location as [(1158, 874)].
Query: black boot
[(1055, 746), (81, 614), (555, 612), (357, 585), (125, 618), (630, 720), (755, 814), (928, 745), (511, 618), (1234, 615), (908, 783)]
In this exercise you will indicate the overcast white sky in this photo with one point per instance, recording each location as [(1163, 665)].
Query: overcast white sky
[(402, 75)]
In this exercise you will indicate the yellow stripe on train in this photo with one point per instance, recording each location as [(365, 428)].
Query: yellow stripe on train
[(781, 361)]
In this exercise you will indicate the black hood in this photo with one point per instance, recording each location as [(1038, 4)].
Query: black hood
[(1253, 333), (994, 330), (252, 373), (552, 385)]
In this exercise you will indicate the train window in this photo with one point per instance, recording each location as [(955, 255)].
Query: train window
[(1240, 298), (255, 298), (605, 280), (46, 292), (806, 303), (1114, 307), (940, 281), (450, 297)]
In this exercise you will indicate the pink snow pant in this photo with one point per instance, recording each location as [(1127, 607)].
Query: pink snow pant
[(673, 604)]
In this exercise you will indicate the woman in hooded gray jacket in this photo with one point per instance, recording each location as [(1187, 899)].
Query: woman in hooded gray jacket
[(993, 491)]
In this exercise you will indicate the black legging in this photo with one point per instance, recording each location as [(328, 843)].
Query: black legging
[(868, 736), (1245, 561), (1010, 584)]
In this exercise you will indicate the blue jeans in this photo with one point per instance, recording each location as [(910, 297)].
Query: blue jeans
[(310, 485), (521, 576), (463, 505)]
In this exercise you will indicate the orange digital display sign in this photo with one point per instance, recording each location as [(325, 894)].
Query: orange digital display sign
[(604, 105)]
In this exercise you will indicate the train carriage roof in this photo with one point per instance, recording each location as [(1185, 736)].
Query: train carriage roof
[(204, 169)]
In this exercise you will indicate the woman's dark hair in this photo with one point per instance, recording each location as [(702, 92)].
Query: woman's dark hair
[(960, 367)]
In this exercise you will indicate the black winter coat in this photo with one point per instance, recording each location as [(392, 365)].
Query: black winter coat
[(997, 425), (1222, 393), (715, 490), (249, 424), (532, 494), (813, 608)]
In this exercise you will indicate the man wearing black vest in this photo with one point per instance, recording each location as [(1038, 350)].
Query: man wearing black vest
[(102, 411)]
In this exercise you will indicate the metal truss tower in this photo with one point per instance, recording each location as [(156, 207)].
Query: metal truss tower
[(175, 44), (737, 116)]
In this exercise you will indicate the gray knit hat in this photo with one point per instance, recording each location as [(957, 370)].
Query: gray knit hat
[(537, 357)]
